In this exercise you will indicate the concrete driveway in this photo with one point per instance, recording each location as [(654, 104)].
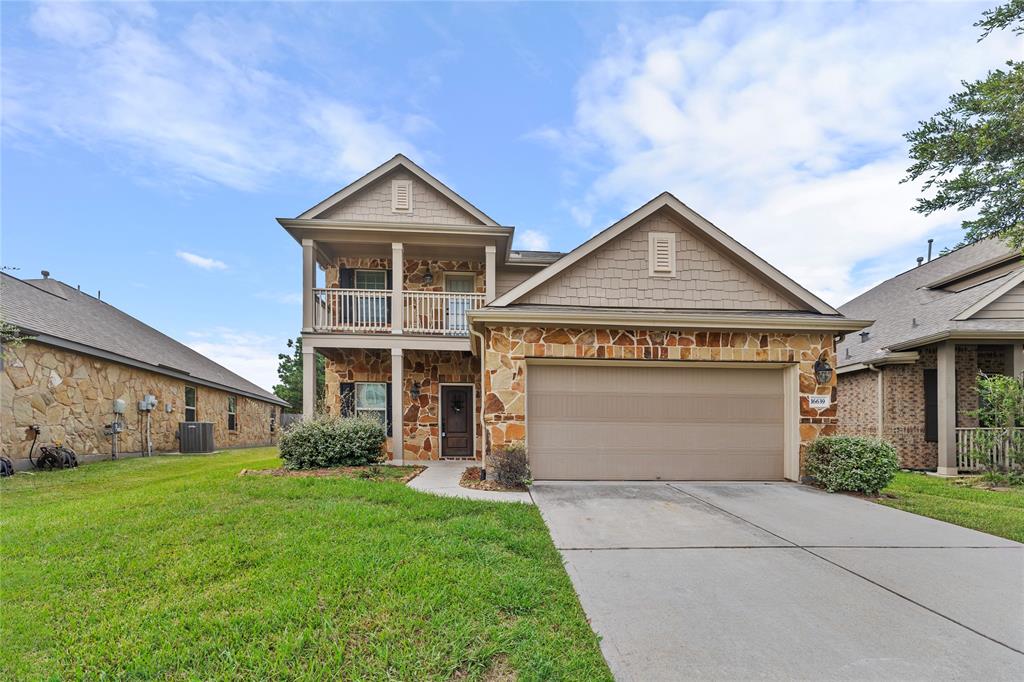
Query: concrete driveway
[(735, 581)]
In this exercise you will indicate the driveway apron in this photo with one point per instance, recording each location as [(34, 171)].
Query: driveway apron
[(727, 581)]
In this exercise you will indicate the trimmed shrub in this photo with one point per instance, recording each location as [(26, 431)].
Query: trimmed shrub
[(863, 465), (509, 465), (328, 441)]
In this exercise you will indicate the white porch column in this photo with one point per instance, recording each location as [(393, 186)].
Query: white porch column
[(308, 380), (1018, 359), (308, 283), (397, 272), (397, 409), (489, 275), (946, 380)]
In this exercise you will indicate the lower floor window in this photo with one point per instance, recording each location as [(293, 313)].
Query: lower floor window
[(232, 416), (372, 401)]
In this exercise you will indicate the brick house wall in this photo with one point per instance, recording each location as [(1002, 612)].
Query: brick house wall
[(508, 349), (421, 419), (903, 399), (70, 396), (857, 412)]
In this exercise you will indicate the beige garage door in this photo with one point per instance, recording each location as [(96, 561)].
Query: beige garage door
[(630, 422)]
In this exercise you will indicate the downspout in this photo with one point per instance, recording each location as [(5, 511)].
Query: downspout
[(483, 427)]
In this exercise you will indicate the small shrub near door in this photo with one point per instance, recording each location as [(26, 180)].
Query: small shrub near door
[(509, 465), (863, 465), (327, 441)]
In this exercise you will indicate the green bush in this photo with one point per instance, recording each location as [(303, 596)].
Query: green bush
[(509, 465), (327, 441), (862, 465)]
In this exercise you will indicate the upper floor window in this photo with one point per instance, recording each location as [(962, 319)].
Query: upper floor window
[(401, 196), (371, 279), (232, 414), (190, 403)]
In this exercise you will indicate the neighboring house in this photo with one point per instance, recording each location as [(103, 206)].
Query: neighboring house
[(84, 354), (660, 348), (909, 378)]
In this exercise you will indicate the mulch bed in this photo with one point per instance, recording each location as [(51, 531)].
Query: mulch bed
[(471, 479), (364, 473)]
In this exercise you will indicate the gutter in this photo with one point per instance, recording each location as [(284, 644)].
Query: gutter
[(902, 358), (483, 427), (673, 321), (961, 335)]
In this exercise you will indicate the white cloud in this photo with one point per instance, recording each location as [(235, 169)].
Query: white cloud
[(251, 355), (201, 261), (533, 240), (783, 125), (199, 102)]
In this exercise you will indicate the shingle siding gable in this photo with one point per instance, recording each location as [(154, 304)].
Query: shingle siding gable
[(374, 204), (617, 275)]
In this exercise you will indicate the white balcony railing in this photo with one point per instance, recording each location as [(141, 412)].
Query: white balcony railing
[(438, 312), (995, 444), (352, 310), (369, 311)]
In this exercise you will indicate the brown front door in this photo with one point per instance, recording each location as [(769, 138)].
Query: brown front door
[(456, 421)]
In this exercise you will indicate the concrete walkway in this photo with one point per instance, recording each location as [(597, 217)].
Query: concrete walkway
[(442, 478), (738, 581)]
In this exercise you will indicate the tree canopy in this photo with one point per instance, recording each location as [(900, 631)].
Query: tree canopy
[(971, 154), (289, 371)]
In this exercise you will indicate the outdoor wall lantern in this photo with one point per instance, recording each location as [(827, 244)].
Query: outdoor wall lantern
[(414, 392), (822, 370), (428, 278)]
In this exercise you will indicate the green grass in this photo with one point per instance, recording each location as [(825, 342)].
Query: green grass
[(177, 568), (996, 512)]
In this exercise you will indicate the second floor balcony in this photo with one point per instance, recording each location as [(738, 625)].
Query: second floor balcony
[(376, 311)]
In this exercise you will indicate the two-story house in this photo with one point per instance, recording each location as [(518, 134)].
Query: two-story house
[(659, 348)]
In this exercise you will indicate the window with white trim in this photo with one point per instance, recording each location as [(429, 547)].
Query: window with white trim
[(401, 196), (372, 401), (662, 256), (190, 403)]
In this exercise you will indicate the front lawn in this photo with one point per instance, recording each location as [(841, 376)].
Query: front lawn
[(177, 568), (996, 512)]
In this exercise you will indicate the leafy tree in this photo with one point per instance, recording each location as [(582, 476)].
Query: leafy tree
[(289, 371), (1001, 412), (972, 152)]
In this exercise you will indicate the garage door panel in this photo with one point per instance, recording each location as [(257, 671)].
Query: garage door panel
[(633, 422)]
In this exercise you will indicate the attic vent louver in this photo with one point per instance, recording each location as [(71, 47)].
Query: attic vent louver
[(662, 257), (401, 196)]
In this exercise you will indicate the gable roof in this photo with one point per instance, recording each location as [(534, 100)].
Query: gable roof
[(60, 315), (702, 226), (912, 309), (397, 161)]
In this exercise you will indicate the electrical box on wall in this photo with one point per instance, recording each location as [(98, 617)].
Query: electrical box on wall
[(147, 403), (118, 406)]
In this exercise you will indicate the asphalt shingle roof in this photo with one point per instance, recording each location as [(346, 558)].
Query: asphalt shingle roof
[(906, 310), (52, 308)]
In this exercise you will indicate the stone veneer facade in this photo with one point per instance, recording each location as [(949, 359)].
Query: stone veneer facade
[(420, 423), (509, 348), (413, 271), (903, 399), (70, 395)]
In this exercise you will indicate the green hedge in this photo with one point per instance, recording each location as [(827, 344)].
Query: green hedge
[(863, 465), (327, 441)]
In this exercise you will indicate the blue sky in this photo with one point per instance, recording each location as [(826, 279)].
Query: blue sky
[(147, 148)]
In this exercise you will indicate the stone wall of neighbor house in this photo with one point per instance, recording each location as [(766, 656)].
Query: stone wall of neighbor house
[(421, 420), (373, 204), (70, 396), (858, 403), (413, 272), (508, 349)]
